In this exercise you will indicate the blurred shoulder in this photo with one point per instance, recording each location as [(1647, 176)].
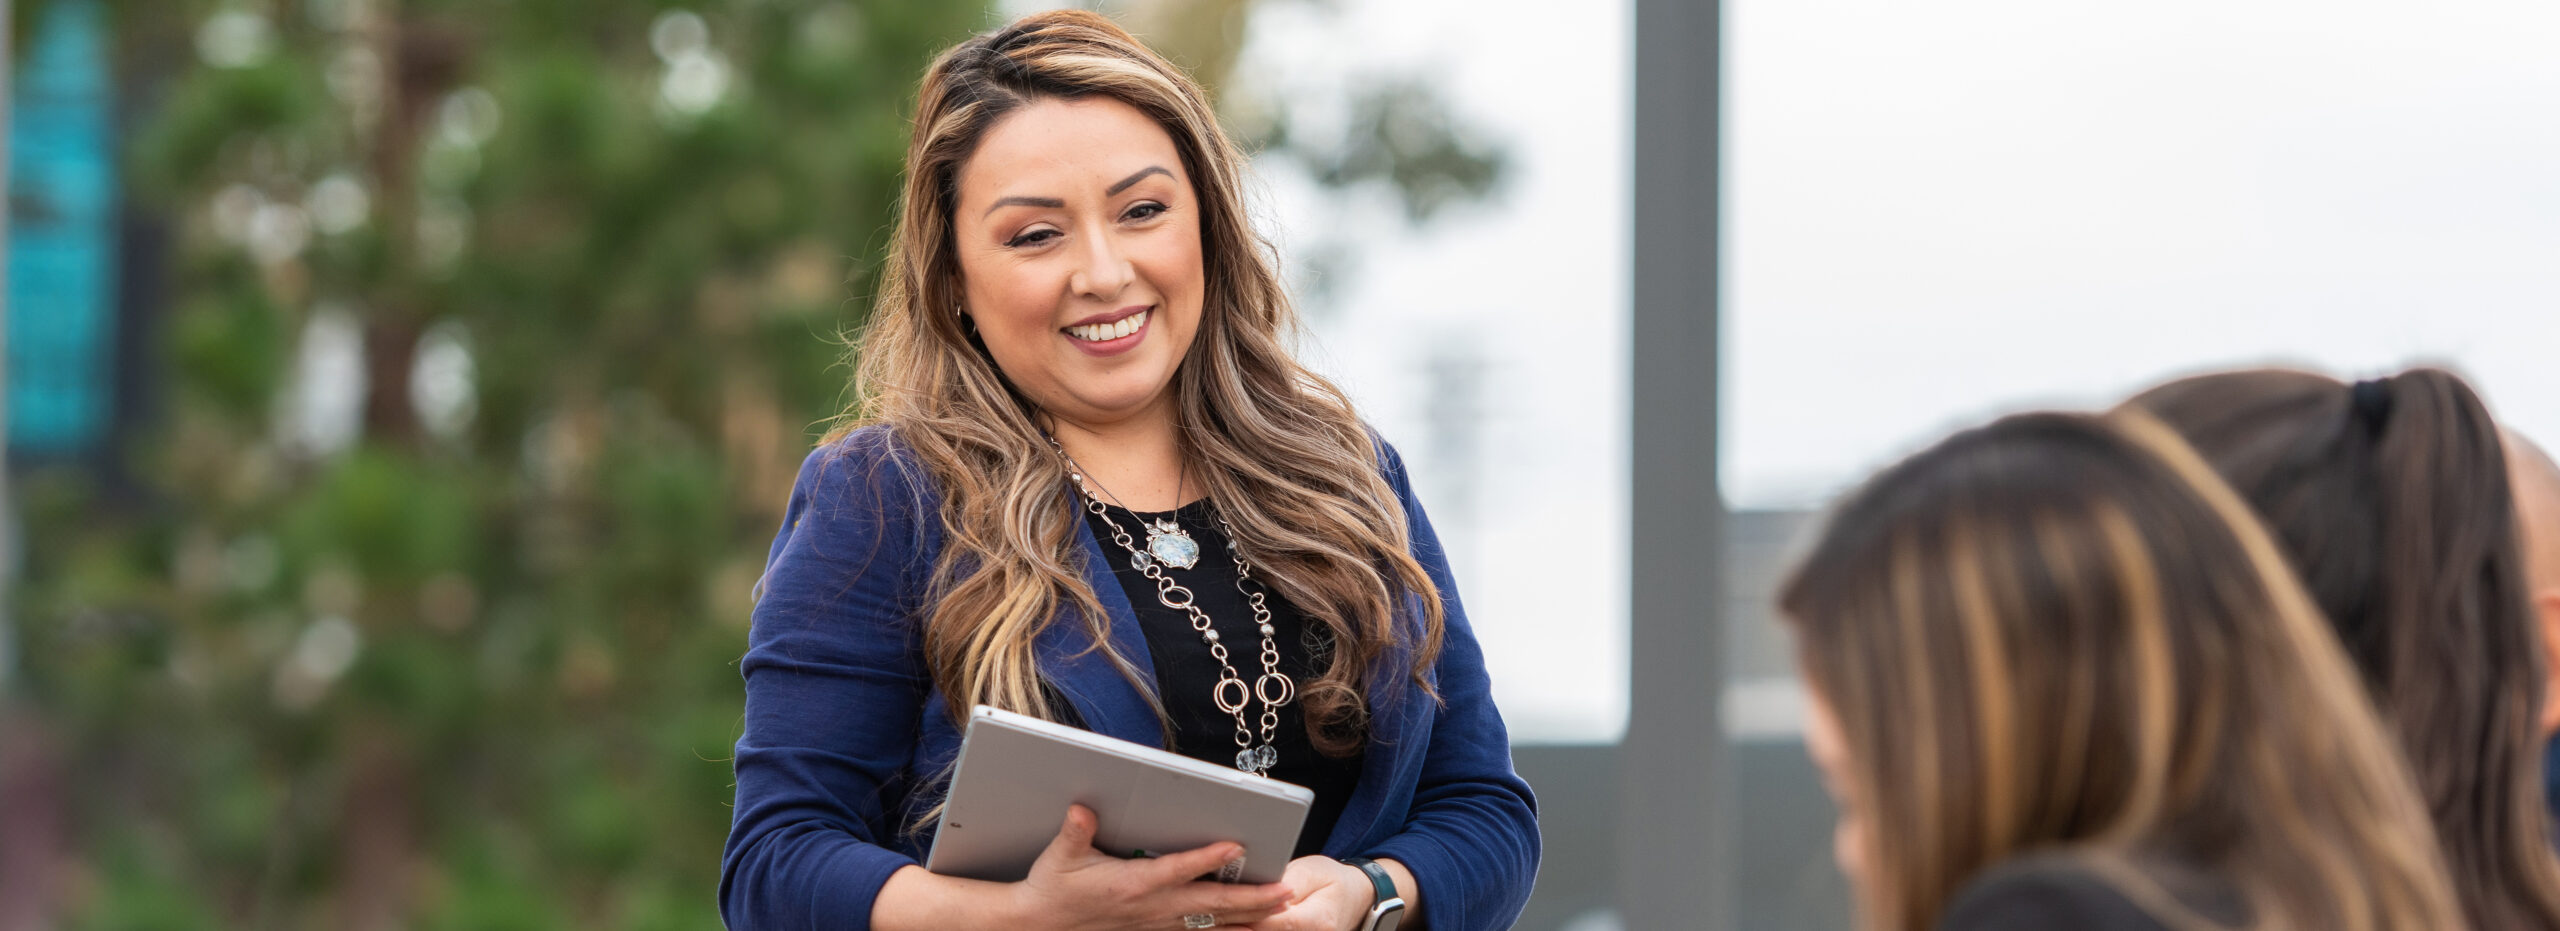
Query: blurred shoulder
[(868, 444), (2045, 892), (1383, 454), (869, 466)]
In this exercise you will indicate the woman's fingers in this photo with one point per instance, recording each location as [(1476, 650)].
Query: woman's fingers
[(1228, 906), (1194, 863), (1230, 921), (1233, 904), (1075, 835), (1242, 919), (1073, 871)]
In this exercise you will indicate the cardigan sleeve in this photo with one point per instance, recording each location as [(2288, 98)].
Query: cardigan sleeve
[(835, 685), (1471, 837)]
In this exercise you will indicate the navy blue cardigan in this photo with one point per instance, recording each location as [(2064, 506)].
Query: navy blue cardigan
[(845, 734)]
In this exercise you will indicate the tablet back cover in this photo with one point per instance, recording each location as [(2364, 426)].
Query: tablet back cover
[(1017, 775)]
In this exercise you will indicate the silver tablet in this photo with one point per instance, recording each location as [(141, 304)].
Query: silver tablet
[(1017, 775)]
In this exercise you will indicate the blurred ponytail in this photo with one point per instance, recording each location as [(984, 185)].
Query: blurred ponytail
[(2390, 497), (2454, 580)]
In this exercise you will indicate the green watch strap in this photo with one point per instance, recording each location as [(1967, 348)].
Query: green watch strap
[(1378, 877)]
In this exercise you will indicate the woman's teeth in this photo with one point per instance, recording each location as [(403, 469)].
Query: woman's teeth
[(1099, 332)]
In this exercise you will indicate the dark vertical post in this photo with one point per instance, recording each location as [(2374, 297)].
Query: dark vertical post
[(1673, 857)]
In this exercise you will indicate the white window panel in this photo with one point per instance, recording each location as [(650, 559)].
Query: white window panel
[(1938, 211)]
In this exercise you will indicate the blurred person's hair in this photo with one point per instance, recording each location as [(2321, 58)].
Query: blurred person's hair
[(2060, 634), (1286, 462), (2391, 500)]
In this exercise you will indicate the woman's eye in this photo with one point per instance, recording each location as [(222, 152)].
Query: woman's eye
[(1144, 211), (1033, 238)]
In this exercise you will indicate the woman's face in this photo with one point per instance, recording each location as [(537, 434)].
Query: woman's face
[(1078, 239), (1850, 838)]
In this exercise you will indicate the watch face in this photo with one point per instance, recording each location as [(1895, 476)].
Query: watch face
[(1387, 915)]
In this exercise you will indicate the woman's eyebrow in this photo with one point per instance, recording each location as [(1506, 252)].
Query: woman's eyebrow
[(1133, 179), (1049, 202), (1056, 203)]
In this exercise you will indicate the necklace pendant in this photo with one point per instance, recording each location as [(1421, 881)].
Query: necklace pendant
[(1172, 545), (1257, 759)]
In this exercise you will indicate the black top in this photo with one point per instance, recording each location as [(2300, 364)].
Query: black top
[(1186, 673), (2054, 893)]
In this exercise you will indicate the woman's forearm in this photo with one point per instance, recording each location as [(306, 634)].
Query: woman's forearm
[(916, 900), (1406, 889)]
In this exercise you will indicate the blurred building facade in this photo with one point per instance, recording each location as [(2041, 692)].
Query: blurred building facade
[(62, 235)]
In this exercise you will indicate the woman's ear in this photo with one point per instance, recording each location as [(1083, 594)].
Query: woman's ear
[(2546, 615)]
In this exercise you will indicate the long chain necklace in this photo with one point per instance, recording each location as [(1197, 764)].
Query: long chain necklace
[(1165, 540)]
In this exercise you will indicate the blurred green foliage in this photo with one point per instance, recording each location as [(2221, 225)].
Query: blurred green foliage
[(467, 660), (497, 330)]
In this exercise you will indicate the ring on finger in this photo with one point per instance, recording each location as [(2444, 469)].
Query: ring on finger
[(1201, 920)]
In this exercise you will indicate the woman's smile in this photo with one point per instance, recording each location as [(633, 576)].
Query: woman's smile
[(1076, 223), (1113, 333)]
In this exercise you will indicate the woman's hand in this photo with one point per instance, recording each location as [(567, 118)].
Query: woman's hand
[(1325, 894), (1074, 887)]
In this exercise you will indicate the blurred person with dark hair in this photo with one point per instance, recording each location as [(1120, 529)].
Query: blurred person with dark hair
[(2390, 498), (2537, 484), (1084, 479), (2062, 678)]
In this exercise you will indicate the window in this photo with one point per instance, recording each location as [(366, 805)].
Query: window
[(1937, 212)]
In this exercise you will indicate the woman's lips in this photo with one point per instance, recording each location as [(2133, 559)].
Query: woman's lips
[(1114, 336)]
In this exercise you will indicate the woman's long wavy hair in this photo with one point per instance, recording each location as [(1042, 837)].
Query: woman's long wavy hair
[(2063, 635), (2391, 500), (1285, 460)]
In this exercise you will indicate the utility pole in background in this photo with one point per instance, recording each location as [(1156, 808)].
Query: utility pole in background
[(1676, 794)]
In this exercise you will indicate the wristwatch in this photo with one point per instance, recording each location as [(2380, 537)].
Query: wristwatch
[(1388, 911)]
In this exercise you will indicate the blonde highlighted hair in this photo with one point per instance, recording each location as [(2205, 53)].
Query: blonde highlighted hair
[(2062, 634), (1284, 458)]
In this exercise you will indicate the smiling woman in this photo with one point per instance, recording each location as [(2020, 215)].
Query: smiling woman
[(1079, 340), (1082, 274)]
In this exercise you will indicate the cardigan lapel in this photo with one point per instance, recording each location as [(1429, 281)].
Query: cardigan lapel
[(1111, 706), (1399, 732), (1109, 703)]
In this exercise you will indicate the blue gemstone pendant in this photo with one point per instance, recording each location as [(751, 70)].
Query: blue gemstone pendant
[(1172, 545)]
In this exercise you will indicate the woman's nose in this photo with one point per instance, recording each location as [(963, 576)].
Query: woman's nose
[(1103, 270)]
